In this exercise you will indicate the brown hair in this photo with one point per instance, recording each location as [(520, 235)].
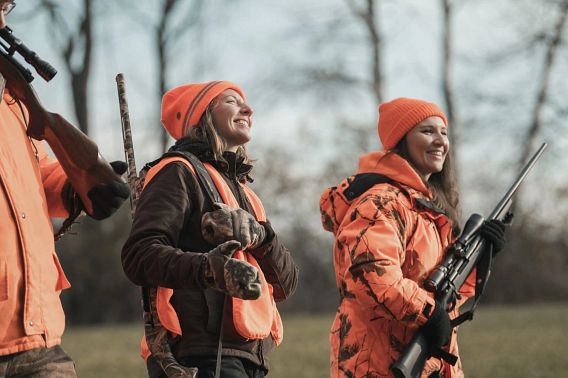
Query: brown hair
[(443, 185), (206, 132)]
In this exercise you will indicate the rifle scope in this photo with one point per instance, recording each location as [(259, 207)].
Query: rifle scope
[(43, 68)]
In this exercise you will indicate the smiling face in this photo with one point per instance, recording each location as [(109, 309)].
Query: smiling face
[(232, 118), (428, 146)]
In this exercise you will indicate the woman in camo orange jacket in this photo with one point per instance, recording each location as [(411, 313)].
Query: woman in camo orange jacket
[(392, 222)]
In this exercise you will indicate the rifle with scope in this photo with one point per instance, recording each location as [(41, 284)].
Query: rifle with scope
[(468, 252), (78, 155)]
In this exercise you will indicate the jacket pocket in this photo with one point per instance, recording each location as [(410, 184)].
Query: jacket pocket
[(3, 280), (62, 282)]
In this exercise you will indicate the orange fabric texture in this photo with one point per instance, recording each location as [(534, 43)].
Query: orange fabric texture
[(183, 106), (385, 246), (31, 277), (398, 116), (253, 319)]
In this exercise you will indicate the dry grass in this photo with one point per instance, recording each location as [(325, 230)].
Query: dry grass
[(519, 341)]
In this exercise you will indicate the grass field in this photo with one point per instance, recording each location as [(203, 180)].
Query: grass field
[(520, 341)]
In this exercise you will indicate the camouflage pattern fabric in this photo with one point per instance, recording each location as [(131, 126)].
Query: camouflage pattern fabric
[(233, 277), (157, 340), (386, 244), (226, 224)]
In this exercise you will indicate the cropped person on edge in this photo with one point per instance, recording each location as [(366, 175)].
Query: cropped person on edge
[(389, 235), (182, 240), (33, 189)]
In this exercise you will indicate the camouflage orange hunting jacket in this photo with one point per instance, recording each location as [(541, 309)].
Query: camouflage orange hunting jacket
[(387, 241)]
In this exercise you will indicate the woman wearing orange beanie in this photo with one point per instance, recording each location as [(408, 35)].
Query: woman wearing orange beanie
[(392, 222), (201, 235)]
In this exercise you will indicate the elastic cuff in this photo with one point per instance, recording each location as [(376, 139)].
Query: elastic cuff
[(270, 234)]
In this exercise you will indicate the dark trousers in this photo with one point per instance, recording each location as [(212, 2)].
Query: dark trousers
[(231, 367), (38, 363)]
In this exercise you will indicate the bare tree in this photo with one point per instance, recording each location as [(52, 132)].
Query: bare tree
[(367, 15), (552, 48), (447, 77), (75, 48), (165, 35)]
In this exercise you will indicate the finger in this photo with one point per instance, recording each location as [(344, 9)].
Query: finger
[(246, 237), (498, 224), (229, 247)]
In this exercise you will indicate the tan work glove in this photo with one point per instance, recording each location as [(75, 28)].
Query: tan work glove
[(225, 223)]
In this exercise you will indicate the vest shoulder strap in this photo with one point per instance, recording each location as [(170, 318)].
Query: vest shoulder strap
[(203, 177)]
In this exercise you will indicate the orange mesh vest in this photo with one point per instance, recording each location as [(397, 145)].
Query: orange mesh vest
[(253, 319)]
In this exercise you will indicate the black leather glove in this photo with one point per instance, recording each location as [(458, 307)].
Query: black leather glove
[(233, 277), (437, 329), (232, 224), (494, 232), (108, 197)]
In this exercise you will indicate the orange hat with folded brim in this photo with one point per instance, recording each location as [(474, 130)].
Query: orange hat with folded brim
[(183, 106), (399, 116)]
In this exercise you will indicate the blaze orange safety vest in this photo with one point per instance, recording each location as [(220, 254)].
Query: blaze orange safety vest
[(253, 319)]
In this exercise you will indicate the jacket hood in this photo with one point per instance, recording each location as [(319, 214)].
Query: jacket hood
[(334, 205)]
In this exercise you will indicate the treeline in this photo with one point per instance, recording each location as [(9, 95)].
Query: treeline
[(530, 269)]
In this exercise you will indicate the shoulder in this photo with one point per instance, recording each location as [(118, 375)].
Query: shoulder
[(168, 172), (383, 201)]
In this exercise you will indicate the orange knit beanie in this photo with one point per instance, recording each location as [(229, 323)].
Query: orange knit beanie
[(399, 116), (183, 106)]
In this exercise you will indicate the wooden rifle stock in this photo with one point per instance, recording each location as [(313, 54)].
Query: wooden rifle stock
[(78, 155)]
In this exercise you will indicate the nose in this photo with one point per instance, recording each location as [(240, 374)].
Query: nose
[(246, 109), (441, 140)]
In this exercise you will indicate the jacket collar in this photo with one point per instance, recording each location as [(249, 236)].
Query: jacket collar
[(394, 167), (231, 164)]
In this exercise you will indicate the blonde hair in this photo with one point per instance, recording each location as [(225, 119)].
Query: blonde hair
[(206, 132)]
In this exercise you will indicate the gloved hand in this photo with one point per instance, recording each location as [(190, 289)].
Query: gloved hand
[(494, 232), (231, 224), (233, 277), (108, 197), (437, 329)]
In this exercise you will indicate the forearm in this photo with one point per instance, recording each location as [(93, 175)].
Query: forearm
[(151, 255), (277, 264), (381, 289), (147, 261)]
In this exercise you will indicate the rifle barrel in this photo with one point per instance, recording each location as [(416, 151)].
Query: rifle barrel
[(505, 201), (127, 139)]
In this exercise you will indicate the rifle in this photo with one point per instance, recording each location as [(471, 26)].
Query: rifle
[(78, 155), (154, 332), (469, 251), (43, 68)]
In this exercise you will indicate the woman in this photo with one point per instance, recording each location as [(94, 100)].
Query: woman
[(392, 222), (182, 239)]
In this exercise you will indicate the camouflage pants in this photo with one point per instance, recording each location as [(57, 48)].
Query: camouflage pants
[(38, 363)]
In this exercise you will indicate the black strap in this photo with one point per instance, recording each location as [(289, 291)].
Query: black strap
[(446, 356), (203, 176), (363, 182), (481, 277)]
